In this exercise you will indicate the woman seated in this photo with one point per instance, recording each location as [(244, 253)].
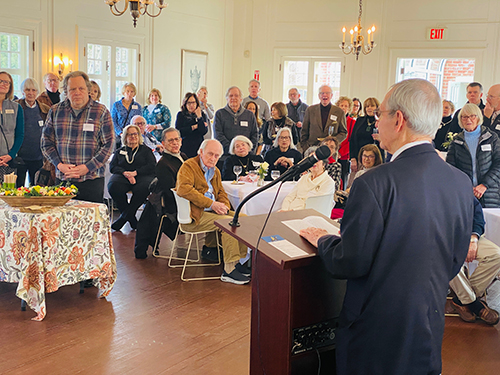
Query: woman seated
[(277, 121), (284, 154), (133, 169), (369, 156), (240, 156), (334, 168), (315, 183)]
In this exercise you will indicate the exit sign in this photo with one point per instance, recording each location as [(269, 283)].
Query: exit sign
[(437, 34)]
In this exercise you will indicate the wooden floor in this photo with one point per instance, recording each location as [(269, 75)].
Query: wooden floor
[(152, 323)]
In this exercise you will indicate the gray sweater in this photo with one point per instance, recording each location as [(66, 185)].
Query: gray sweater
[(228, 124)]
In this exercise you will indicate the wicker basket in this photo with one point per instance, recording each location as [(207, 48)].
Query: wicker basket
[(14, 201)]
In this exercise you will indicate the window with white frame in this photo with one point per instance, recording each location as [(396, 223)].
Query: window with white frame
[(14, 58)]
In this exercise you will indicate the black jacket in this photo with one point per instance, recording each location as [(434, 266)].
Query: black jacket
[(488, 163)]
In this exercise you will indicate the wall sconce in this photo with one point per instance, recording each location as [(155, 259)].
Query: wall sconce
[(61, 63)]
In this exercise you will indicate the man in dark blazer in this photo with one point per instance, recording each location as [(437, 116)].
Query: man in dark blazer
[(403, 238), (322, 120), (492, 109)]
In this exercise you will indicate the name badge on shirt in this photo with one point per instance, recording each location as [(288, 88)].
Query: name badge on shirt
[(135, 106), (123, 152), (244, 123), (485, 147), (497, 127), (88, 127), (9, 111), (40, 122), (333, 117), (156, 110)]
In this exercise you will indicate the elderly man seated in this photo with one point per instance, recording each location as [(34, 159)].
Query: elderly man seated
[(149, 139), (199, 181), (469, 290)]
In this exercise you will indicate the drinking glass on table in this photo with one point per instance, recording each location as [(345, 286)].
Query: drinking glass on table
[(237, 169), (275, 174), (253, 175)]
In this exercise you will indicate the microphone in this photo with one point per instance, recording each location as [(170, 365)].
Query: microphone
[(321, 153)]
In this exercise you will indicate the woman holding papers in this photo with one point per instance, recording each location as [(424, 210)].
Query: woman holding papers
[(316, 182)]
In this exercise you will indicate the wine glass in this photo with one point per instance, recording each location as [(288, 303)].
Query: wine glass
[(331, 129), (237, 169), (275, 174)]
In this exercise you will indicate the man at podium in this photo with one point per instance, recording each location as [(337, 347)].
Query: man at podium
[(405, 235)]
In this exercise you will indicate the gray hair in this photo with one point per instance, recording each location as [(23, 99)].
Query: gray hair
[(312, 150), (169, 130), (206, 142), (254, 80), (30, 83), (319, 90), (240, 138), (420, 103), (470, 109), (124, 134), (234, 87), (202, 88), (76, 73), (285, 128), (46, 75), (132, 120)]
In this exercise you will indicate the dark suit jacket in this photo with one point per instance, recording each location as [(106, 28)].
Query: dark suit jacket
[(312, 127), (404, 237), (495, 126)]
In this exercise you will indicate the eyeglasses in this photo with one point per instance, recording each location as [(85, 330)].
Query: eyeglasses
[(139, 123), (369, 156), (132, 134), (173, 140), (378, 113), (190, 102), (326, 93), (3, 82), (284, 138), (465, 118), (52, 80), (491, 96)]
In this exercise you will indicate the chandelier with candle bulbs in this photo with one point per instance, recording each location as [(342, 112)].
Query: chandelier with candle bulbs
[(137, 8), (357, 40)]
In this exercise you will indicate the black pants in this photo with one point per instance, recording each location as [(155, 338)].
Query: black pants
[(90, 190), (118, 188), (30, 166), (344, 174)]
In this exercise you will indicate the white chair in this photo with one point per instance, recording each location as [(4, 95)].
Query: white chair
[(184, 217), (321, 203)]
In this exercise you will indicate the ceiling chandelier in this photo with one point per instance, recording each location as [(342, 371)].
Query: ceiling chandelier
[(137, 8), (358, 41)]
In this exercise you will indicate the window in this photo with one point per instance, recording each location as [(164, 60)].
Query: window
[(14, 58), (111, 70), (308, 75)]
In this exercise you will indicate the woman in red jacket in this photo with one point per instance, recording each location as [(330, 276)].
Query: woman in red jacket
[(346, 105)]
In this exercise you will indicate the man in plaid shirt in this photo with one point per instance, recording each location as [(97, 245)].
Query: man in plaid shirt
[(78, 138)]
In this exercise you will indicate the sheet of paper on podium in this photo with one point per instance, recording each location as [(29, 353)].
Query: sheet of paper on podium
[(286, 247), (312, 221)]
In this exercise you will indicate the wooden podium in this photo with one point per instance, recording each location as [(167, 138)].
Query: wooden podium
[(287, 294)]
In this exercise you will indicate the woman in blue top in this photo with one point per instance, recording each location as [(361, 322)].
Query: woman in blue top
[(11, 125), (124, 109), (157, 115)]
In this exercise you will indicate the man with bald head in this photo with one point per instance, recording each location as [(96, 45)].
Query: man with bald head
[(322, 120), (492, 109), (397, 260)]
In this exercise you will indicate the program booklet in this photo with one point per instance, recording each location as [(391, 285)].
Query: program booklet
[(313, 221)]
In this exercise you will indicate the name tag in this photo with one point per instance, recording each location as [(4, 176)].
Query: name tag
[(156, 110), (123, 152), (497, 127), (40, 122), (333, 117), (256, 164), (458, 142), (244, 123), (135, 106), (88, 127), (486, 147), (9, 111)]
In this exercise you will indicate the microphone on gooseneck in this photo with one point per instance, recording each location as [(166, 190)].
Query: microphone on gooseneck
[(321, 153)]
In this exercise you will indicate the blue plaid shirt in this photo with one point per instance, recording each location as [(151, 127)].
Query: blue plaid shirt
[(209, 174)]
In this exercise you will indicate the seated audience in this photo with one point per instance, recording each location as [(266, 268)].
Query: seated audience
[(192, 123), (239, 149), (369, 156), (254, 108), (315, 183), (199, 181), (482, 165), (149, 139), (95, 92), (133, 169), (345, 104), (35, 113), (124, 109), (161, 200), (156, 114), (333, 167), (277, 121), (284, 154), (51, 95), (470, 290), (444, 128)]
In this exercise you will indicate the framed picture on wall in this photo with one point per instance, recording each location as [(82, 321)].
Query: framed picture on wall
[(193, 71)]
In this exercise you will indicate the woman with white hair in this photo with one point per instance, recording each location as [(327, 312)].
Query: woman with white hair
[(239, 149), (35, 113), (284, 154), (482, 165), (133, 169)]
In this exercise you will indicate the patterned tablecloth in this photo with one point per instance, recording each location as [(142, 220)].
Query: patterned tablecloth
[(44, 251)]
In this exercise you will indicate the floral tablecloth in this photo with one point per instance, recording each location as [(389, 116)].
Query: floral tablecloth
[(44, 251)]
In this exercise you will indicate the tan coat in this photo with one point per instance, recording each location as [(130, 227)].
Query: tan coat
[(191, 185), (44, 98), (312, 128)]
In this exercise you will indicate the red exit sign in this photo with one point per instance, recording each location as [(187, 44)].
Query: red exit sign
[(437, 34)]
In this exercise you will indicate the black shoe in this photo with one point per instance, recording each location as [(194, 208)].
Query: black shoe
[(235, 277), (119, 223), (141, 256), (209, 254), (243, 269)]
